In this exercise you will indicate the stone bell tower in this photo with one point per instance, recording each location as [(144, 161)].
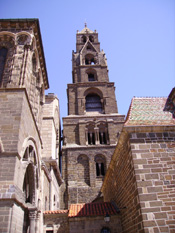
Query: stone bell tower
[(93, 124)]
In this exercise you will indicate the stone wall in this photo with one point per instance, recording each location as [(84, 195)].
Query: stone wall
[(120, 187), (75, 170), (74, 127), (50, 130), (58, 223), (94, 224), (154, 162), (141, 178)]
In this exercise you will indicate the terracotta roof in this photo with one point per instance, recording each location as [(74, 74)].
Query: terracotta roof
[(56, 212), (148, 111), (91, 209)]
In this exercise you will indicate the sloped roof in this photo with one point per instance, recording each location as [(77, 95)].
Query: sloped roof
[(91, 209), (85, 30), (56, 212), (148, 111)]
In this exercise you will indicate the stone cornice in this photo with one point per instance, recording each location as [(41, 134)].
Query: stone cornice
[(26, 24)]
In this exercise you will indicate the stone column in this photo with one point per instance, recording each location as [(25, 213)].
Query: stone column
[(32, 217), (96, 129), (37, 222)]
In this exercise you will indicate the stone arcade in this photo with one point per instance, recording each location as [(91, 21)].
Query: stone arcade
[(116, 175)]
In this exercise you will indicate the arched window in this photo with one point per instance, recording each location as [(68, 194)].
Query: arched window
[(93, 103), (90, 134), (92, 75), (105, 230), (103, 133), (100, 165), (89, 59), (3, 56), (100, 170), (29, 184)]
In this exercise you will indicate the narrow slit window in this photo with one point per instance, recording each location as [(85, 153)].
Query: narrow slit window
[(3, 56)]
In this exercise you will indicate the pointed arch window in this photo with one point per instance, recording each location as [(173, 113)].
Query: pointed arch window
[(93, 103), (3, 56)]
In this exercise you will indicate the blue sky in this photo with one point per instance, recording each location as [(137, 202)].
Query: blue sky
[(138, 37)]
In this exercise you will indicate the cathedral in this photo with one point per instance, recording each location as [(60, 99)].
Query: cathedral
[(106, 173)]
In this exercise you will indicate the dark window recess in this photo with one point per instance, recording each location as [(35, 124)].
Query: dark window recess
[(102, 137), (93, 103), (91, 38), (34, 62), (100, 171), (105, 230), (83, 39), (3, 56), (89, 47), (49, 231), (91, 138), (91, 77), (89, 61)]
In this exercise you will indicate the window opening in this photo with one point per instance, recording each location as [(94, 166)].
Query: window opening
[(91, 38), (105, 230), (83, 39), (91, 138), (89, 59), (100, 171), (3, 56), (28, 184), (54, 200), (89, 47), (91, 77), (93, 103), (102, 137), (34, 62)]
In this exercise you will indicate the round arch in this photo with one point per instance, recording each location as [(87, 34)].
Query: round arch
[(30, 143), (93, 90), (100, 161)]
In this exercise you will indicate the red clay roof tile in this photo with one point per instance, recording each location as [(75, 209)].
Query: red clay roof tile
[(56, 212), (91, 209)]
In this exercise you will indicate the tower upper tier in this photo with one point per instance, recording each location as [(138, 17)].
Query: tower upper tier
[(90, 91)]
